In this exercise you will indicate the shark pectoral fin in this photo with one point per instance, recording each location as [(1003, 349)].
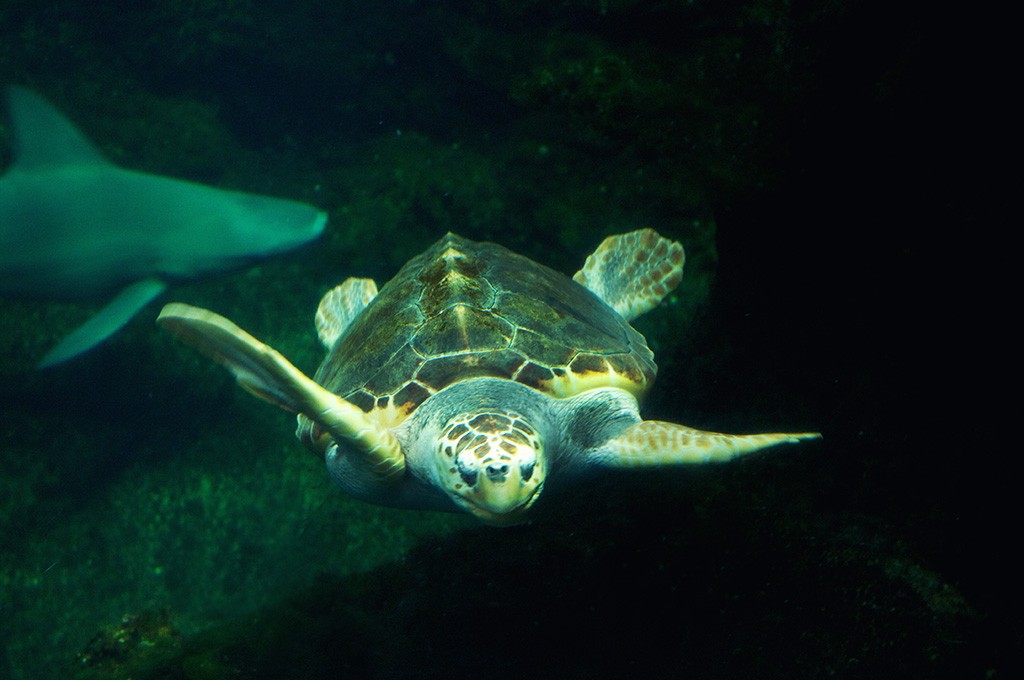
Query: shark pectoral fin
[(106, 322), (652, 443)]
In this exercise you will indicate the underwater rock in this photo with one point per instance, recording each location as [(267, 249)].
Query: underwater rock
[(135, 646)]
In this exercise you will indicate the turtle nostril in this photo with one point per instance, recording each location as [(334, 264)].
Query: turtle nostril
[(496, 471)]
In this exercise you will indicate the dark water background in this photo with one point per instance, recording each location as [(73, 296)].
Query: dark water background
[(823, 163)]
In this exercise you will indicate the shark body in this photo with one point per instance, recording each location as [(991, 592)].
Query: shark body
[(75, 226)]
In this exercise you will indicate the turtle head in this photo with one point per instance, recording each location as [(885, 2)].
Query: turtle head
[(491, 463)]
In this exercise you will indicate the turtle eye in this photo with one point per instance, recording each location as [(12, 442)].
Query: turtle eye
[(468, 476), (467, 470), (526, 470)]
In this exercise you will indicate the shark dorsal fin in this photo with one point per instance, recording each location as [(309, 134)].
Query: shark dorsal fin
[(43, 137)]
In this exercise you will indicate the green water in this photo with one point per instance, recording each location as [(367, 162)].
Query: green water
[(158, 522)]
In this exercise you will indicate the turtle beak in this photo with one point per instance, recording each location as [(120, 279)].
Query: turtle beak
[(502, 508), (502, 493)]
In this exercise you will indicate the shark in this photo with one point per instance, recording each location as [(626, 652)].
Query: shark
[(75, 226)]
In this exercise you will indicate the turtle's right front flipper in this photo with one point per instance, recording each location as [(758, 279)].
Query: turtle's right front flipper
[(263, 371)]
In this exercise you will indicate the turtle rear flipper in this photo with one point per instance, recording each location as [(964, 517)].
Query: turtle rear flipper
[(340, 305), (652, 443), (632, 272), (261, 370)]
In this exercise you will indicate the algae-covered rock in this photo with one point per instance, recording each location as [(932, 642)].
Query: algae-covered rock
[(614, 599), (134, 647)]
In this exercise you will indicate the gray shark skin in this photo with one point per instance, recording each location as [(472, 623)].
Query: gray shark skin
[(75, 226)]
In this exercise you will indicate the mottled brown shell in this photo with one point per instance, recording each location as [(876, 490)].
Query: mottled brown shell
[(463, 309)]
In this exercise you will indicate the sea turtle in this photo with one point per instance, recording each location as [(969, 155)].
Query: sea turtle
[(476, 377)]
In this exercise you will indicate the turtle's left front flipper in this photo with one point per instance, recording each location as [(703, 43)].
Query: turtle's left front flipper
[(261, 370), (651, 443)]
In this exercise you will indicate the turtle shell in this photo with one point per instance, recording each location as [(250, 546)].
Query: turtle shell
[(463, 309)]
